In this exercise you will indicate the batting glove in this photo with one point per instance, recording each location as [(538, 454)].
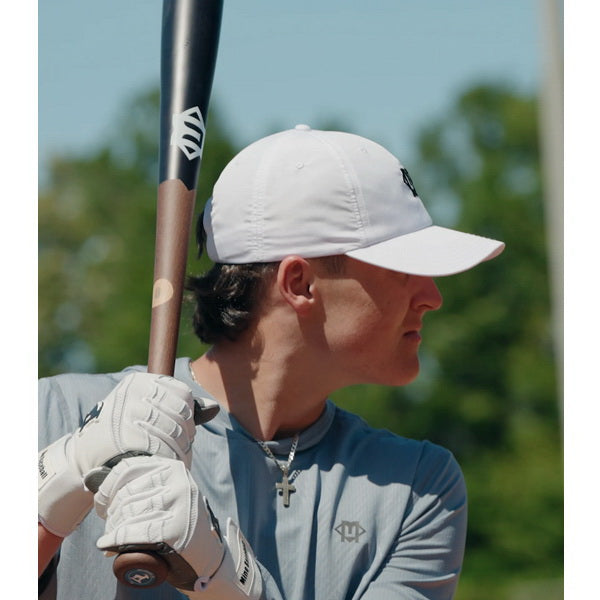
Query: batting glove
[(145, 414), (152, 503)]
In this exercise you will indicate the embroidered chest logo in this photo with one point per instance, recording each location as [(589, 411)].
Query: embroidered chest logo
[(350, 531)]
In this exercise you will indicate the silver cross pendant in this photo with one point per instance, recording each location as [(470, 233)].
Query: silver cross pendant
[(285, 489)]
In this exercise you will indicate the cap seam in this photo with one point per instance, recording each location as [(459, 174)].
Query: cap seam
[(354, 184), (258, 204)]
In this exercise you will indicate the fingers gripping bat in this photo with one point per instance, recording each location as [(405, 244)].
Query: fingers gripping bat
[(189, 42)]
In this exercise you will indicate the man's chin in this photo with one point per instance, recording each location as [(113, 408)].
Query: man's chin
[(405, 376)]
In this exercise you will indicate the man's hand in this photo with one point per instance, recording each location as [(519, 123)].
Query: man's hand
[(145, 414), (152, 503)]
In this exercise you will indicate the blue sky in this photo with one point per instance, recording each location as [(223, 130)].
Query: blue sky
[(383, 67)]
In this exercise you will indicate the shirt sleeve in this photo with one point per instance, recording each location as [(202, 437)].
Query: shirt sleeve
[(64, 400), (55, 416), (426, 560)]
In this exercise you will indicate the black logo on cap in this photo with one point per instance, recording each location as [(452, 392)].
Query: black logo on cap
[(409, 182)]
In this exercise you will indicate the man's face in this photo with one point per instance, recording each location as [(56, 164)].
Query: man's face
[(373, 321)]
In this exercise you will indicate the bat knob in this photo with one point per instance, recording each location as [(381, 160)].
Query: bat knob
[(140, 569)]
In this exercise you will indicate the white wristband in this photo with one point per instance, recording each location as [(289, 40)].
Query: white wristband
[(63, 500), (237, 578)]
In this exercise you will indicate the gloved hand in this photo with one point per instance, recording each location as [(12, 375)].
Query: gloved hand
[(145, 414), (154, 504)]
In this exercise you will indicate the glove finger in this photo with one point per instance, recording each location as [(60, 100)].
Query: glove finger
[(161, 402), (174, 385), (164, 394), (127, 478), (166, 437), (181, 429), (141, 533), (203, 407), (142, 381), (148, 500), (174, 400)]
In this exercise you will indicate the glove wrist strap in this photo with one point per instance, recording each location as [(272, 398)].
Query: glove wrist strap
[(63, 500)]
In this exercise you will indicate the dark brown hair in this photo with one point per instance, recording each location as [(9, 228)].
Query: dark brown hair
[(227, 295), (226, 298)]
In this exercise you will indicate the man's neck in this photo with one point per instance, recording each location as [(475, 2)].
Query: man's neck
[(270, 395)]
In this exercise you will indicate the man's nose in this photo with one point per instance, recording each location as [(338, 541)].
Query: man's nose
[(429, 296)]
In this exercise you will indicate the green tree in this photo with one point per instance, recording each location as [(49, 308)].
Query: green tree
[(96, 245)]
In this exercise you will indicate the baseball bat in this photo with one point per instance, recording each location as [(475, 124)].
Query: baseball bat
[(189, 43)]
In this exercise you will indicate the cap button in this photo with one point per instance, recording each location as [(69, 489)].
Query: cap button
[(302, 127)]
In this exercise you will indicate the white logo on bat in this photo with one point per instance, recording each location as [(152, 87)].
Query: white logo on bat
[(187, 132)]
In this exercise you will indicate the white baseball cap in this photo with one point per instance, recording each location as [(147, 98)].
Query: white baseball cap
[(318, 193)]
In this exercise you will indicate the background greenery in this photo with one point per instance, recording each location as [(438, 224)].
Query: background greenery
[(487, 389)]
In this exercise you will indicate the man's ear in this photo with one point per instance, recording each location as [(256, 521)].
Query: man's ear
[(295, 279)]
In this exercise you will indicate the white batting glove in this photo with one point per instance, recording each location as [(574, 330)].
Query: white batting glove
[(145, 414), (152, 503)]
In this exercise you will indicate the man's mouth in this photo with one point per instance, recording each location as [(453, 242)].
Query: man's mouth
[(413, 335)]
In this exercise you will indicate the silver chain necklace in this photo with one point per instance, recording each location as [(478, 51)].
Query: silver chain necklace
[(285, 486)]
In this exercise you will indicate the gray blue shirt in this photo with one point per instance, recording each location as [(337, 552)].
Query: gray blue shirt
[(374, 516)]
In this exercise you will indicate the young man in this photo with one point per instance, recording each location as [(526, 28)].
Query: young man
[(324, 264)]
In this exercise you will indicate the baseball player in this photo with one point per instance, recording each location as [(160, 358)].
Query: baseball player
[(324, 264)]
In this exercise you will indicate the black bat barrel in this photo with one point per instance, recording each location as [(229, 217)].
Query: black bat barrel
[(190, 34)]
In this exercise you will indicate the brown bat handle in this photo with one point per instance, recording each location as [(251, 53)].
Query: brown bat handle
[(175, 210), (173, 223)]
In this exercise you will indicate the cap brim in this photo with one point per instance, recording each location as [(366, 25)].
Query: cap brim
[(433, 252)]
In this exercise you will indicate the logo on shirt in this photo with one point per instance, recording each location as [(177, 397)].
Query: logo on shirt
[(350, 531)]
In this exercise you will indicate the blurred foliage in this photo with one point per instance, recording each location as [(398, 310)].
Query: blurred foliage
[(487, 390), (96, 246)]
